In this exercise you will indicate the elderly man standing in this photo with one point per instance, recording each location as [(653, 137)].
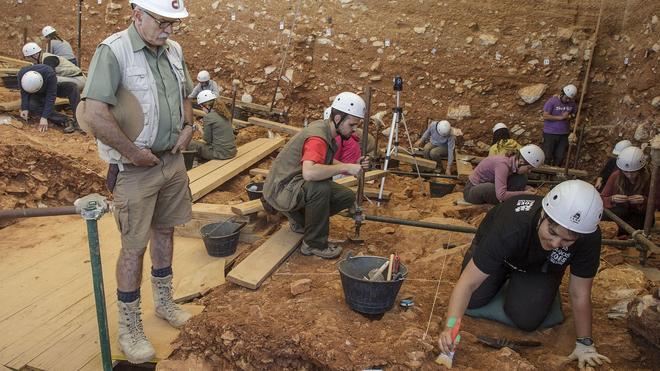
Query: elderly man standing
[(147, 176)]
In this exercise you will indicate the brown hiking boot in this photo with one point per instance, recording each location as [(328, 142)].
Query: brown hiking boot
[(330, 252)]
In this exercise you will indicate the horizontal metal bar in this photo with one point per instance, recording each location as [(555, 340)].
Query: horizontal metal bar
[(36, 212)]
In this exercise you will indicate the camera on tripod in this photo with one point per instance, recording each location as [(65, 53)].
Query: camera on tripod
[(398, 83)]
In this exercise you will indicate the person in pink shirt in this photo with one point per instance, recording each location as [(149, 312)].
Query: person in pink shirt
[(498, 178)]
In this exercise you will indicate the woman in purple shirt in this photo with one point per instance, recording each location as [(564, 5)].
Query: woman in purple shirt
[(557, 112), (498, 178)]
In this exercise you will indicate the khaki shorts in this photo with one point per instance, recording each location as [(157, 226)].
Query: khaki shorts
[(151, 197)]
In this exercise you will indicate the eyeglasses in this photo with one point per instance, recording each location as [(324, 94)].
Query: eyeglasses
[(162, 24)]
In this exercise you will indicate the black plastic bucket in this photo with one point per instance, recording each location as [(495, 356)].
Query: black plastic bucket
[(364, 296), (255, 190), (440, 189), (188, 158), (221, 238)]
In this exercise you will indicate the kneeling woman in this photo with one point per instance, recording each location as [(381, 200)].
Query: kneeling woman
[(529, 241), (498, 178), (220, 143), (626, 190)]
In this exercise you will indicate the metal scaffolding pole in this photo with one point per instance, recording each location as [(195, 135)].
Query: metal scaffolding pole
[(643, 244)]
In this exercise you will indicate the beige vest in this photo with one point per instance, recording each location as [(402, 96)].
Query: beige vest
[(139, 80), (284, 181), (65, 68)]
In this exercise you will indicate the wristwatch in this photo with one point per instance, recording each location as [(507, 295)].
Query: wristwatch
[(586, 340), (192, 126)]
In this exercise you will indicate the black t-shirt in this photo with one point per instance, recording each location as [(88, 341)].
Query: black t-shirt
[(508, 239)]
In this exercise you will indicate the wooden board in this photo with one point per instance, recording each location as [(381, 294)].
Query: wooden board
[(192, 229), (247, 208), (263, 261), (258, 171), (216, 178), (275, 126), (211, 211), (373, 192), (406, 158), (16, 104), (14, 61), (350, 181), (209, 166), (463, 166), (202, 281)]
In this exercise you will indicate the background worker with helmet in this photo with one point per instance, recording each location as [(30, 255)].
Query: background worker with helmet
[(300, 184), (625, 192), (219, 141), (498, 178), (528, 242), (557, 114), (204, 82), (502, 144), (39, 88), (65, 70), (610, 164), (56, 45), (442, 142), (151, 193)]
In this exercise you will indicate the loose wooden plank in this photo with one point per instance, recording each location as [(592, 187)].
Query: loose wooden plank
[(198, 284), (463, 166), (15, 61), (9, 70), (192, 229), (216, 178), (350, 181), (253, 270), (247, 208), (209, 166), (422, 162), (373, 192), (275, 126), (258, 171), (211, 211), (16, 104)]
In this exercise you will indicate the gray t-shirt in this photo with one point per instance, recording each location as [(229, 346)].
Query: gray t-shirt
[(61, 48)]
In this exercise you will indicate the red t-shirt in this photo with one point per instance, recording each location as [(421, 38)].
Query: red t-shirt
[(315, 149)]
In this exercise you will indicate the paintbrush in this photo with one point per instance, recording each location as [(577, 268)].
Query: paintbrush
[(447, 359)]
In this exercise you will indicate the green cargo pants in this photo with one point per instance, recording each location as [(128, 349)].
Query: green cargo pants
[(318, 201)]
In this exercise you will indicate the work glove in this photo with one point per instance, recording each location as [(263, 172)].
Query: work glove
[(587, 354), (572, 138)]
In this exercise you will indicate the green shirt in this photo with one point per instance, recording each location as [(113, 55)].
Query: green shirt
[(105, 76)]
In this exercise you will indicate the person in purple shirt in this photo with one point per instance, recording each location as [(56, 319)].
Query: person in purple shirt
[(557, 112), (39, 88), (498, 178)]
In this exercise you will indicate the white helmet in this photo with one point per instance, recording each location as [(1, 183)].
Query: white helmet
[(326, 113), (32, 81), (631, 159), (48, 30), (350, 103), (575, 205), (620, 146), (570, 90), (203, 76), (498, 126), (30, 49), (533, 154), (443, 127), (165, 8), (205, 96)]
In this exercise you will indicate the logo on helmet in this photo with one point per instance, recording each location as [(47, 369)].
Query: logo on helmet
[(576, 218), (176, 4)]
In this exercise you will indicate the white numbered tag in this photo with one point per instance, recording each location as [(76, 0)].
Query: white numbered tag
[(233, 16), (281, 25), (546, 61), (626, 61), (387, 42), (498, 56)]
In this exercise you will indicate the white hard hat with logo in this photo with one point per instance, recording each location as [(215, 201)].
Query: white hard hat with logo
[(533, 154), (631, 159), (350, 103), (443, 127), (173, 9), (48, 30), (30, 49), (205, 96), (32, 81), (498, 126), (620, 146), (575, 205), (570, 90)]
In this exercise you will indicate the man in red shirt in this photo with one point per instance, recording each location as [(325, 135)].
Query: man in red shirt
[(300, 184)]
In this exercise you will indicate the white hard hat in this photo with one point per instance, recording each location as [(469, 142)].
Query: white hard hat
[(32, 81), (48, 30), (165, 8), (350, 103), (620, 146), (570, 90), (575, 205), (326, 113), (203, 76), (533, 154), (631, 159), (443, 127), (205, 96), (498, 126), (30, 49)]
